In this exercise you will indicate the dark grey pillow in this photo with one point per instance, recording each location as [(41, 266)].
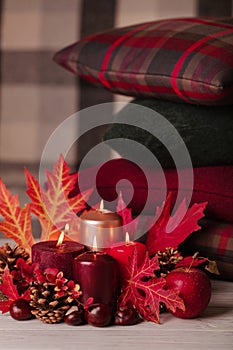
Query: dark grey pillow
[(206, 131)]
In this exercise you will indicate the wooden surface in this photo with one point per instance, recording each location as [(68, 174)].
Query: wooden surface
[(213, 330)]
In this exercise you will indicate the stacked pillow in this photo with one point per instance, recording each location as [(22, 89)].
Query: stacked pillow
[(184, 59), (182, 69)]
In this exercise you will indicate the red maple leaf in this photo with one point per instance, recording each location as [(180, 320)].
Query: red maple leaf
[(127, 218), (10, 291), (191, 261), (17, 220), (53, 206), (171, 231), (145, 292)]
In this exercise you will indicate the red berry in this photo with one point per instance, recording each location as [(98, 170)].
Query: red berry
[(98, 315), (75, 318), (127, 316), (20, 310)]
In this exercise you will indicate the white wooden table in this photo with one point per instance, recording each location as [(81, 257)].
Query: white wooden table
[(213, 330)]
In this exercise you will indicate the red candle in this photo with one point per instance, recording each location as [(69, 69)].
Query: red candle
[(50, 254), (98, 275), (122, 252)]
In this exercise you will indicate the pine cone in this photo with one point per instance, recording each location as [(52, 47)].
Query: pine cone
[(47, 305), (2, 297), (9, 256), (168, 260)]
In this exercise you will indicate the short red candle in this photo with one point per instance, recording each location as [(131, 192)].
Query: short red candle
[(121, 252), (98, 275), (47, 254)]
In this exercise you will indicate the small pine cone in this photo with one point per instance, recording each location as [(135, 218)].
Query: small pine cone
[(9, 256), (2, 297), (168, 260), (46, 304)]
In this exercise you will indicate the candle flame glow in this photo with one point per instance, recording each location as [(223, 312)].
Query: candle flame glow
[(60, 239), (67, 228), (101, 205), (94, 245), (127, 240)]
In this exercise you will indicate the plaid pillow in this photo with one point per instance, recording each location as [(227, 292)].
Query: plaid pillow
[(183, 59), (214, 241)]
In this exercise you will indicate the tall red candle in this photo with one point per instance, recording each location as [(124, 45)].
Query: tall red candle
[(98, 275), (48, 254), (122, 252)]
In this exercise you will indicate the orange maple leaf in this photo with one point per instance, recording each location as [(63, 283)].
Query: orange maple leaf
[(17, 220), (53, 206)]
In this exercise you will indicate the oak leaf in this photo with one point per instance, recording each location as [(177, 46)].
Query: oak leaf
[(17, 221), (145, 292), (10, 291), (170, 231), (53, 206)]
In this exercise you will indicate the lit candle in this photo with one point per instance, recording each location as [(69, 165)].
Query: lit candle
[(123, 251), (57, 254), (103, 224), (54, 236), (98, 275)]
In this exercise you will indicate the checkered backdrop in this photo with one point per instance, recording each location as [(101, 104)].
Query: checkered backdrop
[(36, 94)]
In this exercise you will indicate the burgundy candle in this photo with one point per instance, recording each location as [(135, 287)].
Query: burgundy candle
[(48, 254), (97, 273)]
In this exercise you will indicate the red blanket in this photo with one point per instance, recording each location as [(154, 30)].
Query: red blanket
[(211, 184)]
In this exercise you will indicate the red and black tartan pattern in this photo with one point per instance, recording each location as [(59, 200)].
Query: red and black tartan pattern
[(184, 59), (214, 241)]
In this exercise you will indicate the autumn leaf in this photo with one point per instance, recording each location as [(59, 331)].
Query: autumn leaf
[(10, 291), (195, 261), (127, 218), (17, 220), (145, 292), (53, 206), (171, 231), (191, 261)]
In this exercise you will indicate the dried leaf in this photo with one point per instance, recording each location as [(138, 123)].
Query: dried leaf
[(9, 289), (170, 231), (17, 220), (212, 267), (145, 292), (53, 206)]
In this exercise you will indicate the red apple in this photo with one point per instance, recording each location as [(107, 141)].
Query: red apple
[(194, 288)]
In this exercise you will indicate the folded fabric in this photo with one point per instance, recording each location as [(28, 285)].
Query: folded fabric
[(211, 184), (206, 131), (179, 59), (214, 241)]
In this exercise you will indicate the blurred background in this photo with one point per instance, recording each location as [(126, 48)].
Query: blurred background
[(36, 95)]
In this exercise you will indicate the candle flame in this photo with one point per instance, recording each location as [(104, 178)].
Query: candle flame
[(127, 240), (60, 239), (67, 228), (102, 205), (94, 245)]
